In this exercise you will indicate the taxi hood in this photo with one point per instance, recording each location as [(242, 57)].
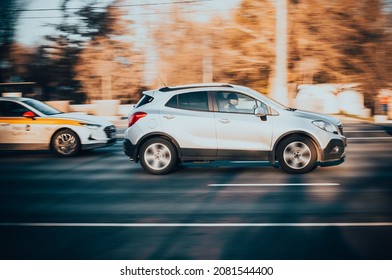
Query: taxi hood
[(84, 118)]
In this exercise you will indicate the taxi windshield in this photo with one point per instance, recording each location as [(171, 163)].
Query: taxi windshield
[(42, 107)]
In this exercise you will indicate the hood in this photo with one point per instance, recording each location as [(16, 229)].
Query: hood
[(316, 116), (84, 118)]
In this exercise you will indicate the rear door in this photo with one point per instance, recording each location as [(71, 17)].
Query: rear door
[(189, 119)]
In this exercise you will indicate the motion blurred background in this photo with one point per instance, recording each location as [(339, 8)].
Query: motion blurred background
[(81, 51)]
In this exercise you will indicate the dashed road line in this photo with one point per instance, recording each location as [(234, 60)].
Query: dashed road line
[(138, 225), (273, 185), (370, 138)]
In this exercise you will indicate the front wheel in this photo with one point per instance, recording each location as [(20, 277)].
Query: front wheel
[(158, 156), (297, 154), (66, 143)]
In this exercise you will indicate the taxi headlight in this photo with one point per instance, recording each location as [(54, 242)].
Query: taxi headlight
[(91, 125), (326, 126)]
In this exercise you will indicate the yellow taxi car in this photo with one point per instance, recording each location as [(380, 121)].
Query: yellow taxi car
[(29, 124)]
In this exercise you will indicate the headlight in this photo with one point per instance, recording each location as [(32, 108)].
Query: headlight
[(91, 125), (326, 126)]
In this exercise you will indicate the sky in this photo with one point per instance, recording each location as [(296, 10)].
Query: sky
[(33, 24)]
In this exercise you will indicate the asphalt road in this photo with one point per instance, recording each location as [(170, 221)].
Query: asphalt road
[(102, 206)]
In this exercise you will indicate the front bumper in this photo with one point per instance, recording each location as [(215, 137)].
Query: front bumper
[(99, 138), (334, 151), (90, 146)]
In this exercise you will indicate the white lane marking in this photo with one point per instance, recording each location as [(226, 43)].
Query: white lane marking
[(370, 138), (244, 161), (273, 185), (366, 131), (134, 225)]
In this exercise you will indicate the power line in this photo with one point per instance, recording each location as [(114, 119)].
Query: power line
[(124, 5)]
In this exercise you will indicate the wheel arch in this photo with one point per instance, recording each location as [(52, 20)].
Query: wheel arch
[(156, 135), (290, 134)]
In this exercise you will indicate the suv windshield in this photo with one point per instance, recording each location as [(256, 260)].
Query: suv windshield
[(42, 107), (270, 100)]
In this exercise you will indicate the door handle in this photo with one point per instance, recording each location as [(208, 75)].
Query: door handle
[(224, 121), (169, 117)]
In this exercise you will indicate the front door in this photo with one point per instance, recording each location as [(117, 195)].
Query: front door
[(240, 134)]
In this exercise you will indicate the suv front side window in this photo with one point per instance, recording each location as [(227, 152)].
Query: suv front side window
[(197, 101), (235, 102)]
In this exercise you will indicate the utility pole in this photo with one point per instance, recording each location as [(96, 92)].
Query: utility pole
[(279, 87), (207, 68), (207, 60), (105, 69)]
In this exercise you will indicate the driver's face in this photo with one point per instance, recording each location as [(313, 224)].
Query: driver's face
[(233, 102)]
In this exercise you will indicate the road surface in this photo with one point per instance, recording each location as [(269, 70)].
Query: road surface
[(102, 206)]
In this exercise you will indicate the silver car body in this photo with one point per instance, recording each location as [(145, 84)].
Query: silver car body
[(217, 135)]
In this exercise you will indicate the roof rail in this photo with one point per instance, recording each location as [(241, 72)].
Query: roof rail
[(190, 86)]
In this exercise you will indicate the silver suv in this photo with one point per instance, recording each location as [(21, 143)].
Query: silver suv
[(206, 122)]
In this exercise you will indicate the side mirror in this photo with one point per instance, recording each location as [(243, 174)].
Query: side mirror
[(29, 114), (260, 112)]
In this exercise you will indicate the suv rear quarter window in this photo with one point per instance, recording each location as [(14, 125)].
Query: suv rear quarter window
[(144, 100)]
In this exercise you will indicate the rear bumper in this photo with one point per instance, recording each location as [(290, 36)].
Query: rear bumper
[(130, 149)]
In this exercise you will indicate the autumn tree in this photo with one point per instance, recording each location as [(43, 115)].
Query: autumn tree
[(339, 42), (245, 52), (180, 45), (63, 48), (108, 66), (41, 69), (238, 50), (19, 58), (9, 13)]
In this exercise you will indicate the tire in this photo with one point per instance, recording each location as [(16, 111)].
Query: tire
[(158, 156), (297, 154), (66, 143)]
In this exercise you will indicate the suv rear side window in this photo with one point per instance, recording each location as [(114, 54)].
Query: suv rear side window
[(190, 101)]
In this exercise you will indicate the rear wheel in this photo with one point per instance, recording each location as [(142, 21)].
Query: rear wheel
[(297, 154), (158, 156), (66, 143)]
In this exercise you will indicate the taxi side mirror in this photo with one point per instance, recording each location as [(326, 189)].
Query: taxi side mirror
[(29, 114)]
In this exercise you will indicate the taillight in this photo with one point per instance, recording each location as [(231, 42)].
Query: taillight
[(135, 117)]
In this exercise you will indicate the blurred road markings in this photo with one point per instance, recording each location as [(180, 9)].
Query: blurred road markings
[(274, 185), (133, 225), (364, 131), (369, 138)]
